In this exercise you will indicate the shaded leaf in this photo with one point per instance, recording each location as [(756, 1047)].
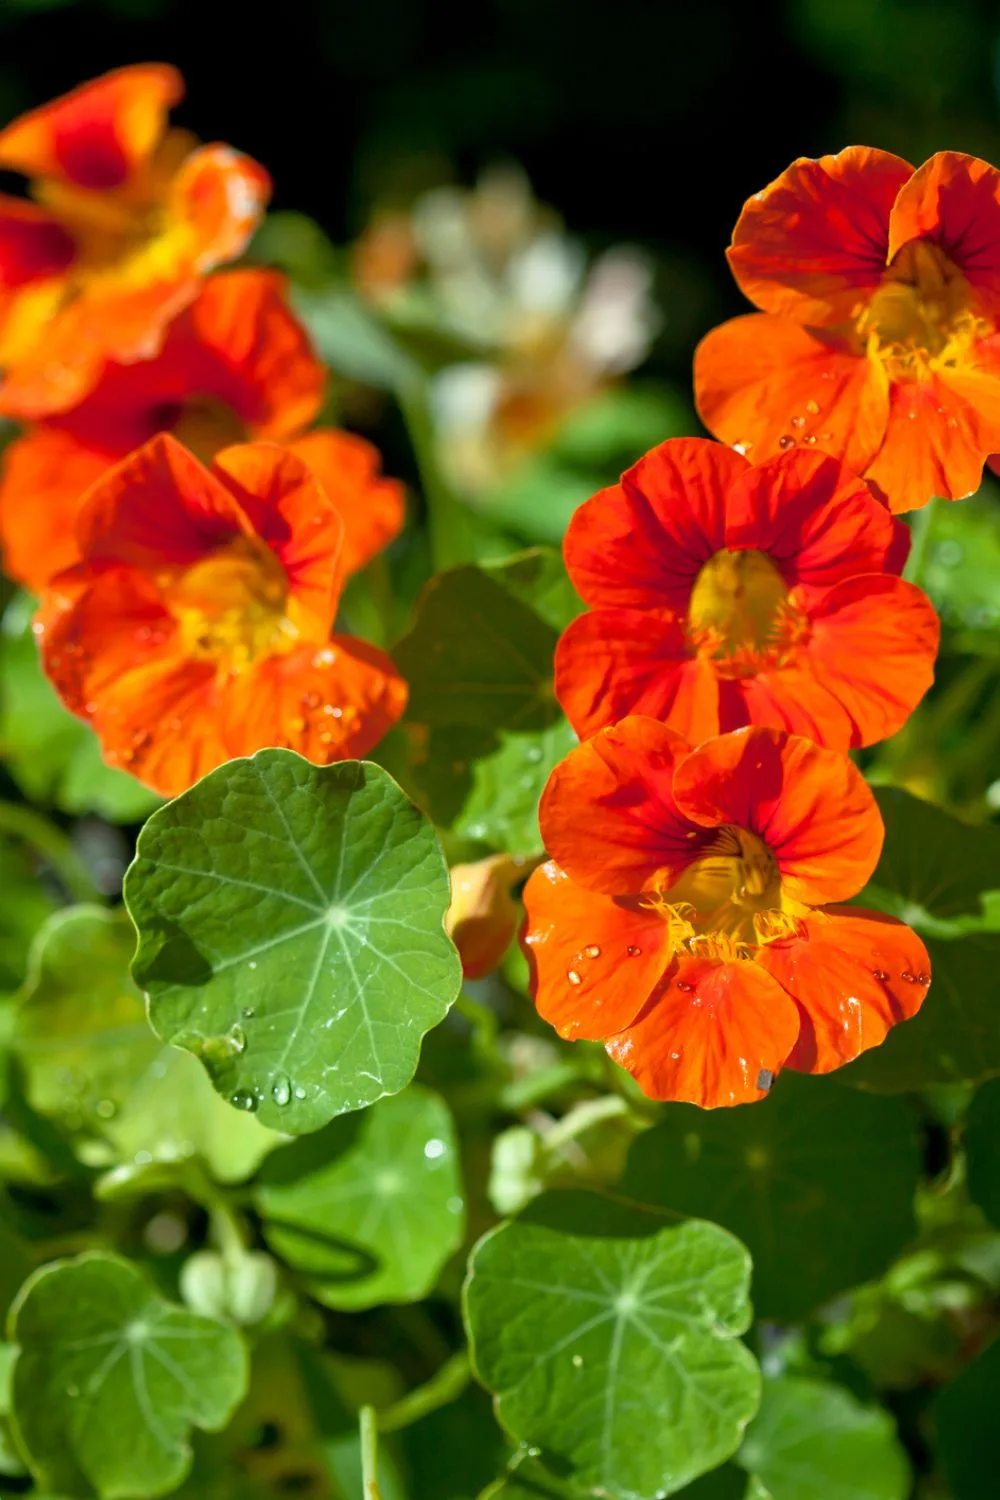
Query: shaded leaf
[(611, 1341), (369, 1209), (815, 1441), (965, 1420), (792, 1176), (291, 934), (109, 1379), (982, 1149), (931, 893), (954, 1037)]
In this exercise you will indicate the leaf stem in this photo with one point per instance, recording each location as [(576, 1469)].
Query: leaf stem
[(55, 848), (920, 531), (446, 517), (444, 1386), (369, 1453)]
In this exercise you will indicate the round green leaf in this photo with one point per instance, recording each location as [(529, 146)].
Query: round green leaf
[(982, 1149), (109, 1379), (369, 1209), (792, 1176), (965, 1420), (291, 934), (611, 1341), (815, 1441), (92, 1061)]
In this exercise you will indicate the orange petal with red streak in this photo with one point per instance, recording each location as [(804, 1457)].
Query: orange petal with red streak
[(854, 974), (371, 507), (714, 1034), (594, 961)]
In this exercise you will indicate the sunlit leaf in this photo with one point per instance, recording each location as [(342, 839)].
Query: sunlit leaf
[(109, 1379), (610, 1338), (93, 1063), (369, 1209), (291, 934), (792, 1176), (815, 1441)]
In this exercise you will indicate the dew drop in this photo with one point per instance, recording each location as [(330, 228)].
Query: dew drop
[(299, 1092), (880, 975), (592, 951), (252, 964), (237, 1039), (281, 1091), (912, 416), (633, 952), (578, 1361), (809, 438), (573, 976), (682, 984), (248, 1012), (105, 1109), (798, 422), (812, 407), (786, 441), (907, 977), (243, 1101)]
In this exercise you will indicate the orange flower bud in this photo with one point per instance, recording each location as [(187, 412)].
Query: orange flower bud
[(483, 915)]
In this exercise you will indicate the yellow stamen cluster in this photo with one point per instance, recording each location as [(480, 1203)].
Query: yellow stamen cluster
[(741, 616), (923, 317)]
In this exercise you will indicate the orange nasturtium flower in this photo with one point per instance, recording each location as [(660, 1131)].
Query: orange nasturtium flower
[(199, 626), (724, 594), (689, 916), (877, 340), (236, 365), (128, 217)]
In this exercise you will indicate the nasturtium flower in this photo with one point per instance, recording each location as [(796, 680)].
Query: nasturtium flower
[(724, 594), (236, 366), (690, 915), (877, 340), (198, 627), (127, 219)]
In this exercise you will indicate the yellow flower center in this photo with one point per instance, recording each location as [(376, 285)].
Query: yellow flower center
[(728, 902), (923, 317), (740, 615), (204, 425), (232, 606)]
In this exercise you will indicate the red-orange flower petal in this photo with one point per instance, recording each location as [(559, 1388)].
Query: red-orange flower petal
[(954, 200), (33, 244), (45, 476), (764, 385), (872, 647), (811, 806), (371, 507), (835, 211), (594, 961), (939, 433), (286, 507), (816, 519), (631, 835), (715, 1034), (98, 134), (640, 543), (853, 974), (120, 312)]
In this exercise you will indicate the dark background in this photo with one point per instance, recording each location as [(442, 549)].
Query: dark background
[(638, 120)]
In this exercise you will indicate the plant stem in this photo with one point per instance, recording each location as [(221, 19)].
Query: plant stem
[(447, 520), (369, 1453), (923, 525), (54, 846), (444, 1386)]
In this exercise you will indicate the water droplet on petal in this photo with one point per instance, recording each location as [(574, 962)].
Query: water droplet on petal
[(592, 951), (786, 441), (798, 422), (682, 984), (812, 407), (573, 976), (880, 975), (633, 952)]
